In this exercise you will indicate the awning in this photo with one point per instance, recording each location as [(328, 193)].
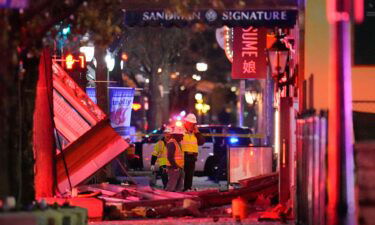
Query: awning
[(87, 140)]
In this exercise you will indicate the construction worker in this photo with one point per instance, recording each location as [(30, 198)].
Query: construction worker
[(175, 162), (192, 138), (160, 155), (131, 158)]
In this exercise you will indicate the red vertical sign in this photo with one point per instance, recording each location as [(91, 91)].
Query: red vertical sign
[(249, 57)]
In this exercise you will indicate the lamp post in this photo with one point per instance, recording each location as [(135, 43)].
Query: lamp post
[(278, 57)]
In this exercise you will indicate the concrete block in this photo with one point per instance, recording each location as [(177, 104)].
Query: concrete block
[(19, 218)]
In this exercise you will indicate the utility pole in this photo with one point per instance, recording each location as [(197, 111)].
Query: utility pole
[(341, 204), (240, 102), (43, 136)]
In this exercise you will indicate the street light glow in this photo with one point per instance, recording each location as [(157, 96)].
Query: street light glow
[(88, 51), (198, 96), (110, 61), (251, 97), (201, 66)]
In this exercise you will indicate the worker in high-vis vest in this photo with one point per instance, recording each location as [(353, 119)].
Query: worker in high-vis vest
[(192, 139), (175, 162), (159, 155)]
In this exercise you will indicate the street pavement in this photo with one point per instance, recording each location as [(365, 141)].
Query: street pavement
[(200, 183), (187, 221), (217, 216)]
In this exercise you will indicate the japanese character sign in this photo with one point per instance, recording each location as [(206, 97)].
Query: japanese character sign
[(249, 58)]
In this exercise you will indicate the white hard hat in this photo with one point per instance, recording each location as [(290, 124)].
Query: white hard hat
[(191, 118), (168, 129), (178, 130)]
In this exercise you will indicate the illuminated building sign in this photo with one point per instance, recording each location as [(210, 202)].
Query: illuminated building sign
[(265, 18), (249, 58)]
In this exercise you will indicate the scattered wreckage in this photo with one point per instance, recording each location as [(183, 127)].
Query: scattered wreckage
[(87, 143)]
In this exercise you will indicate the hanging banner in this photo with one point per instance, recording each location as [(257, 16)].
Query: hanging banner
[(249, 57), (120, 105), (231, 18), (91, 92), (14, 4)]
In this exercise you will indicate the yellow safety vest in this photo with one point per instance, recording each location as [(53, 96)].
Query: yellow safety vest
[(160, 151), (189, 143), (178, 154)]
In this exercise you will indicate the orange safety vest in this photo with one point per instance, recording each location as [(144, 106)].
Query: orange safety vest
[(189, 143), (178, 154)]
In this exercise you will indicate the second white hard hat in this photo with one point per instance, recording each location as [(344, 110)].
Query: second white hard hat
[(168, 129), (191, 118), (178, 130)]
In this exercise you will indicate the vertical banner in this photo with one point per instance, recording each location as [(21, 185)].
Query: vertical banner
[(14, 4), (91, 92), (249, 57), (120, 105)]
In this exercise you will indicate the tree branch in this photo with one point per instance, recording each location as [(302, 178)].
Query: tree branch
[(58, 15)]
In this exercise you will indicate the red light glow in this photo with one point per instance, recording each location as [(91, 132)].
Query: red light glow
[(136, 106), (69, 61), (124, 57)]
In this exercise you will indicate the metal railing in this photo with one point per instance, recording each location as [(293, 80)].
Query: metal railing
[(311, 168)]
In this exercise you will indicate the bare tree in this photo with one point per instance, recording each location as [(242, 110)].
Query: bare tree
[(22, 36), (153, 52)]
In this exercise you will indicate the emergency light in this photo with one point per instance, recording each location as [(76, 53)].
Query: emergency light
[(233, 140)]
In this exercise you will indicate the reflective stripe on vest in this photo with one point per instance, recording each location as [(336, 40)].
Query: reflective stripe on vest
[(178, 154), (189, 143)]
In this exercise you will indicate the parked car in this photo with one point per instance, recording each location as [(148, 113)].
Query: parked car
[(212, 157)]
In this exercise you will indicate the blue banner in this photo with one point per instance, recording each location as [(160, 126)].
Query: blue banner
[(91, 92), (120, 105), (17, 4)]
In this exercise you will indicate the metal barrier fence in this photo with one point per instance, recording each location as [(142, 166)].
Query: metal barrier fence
[(311, 169)]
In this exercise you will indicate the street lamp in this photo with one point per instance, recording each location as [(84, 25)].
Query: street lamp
[(251, 97), (201, 66), (88, 51), (198, 96), (110, 61), (278, 56)]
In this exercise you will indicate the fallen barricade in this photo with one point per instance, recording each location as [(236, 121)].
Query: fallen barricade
[(132, 201)]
